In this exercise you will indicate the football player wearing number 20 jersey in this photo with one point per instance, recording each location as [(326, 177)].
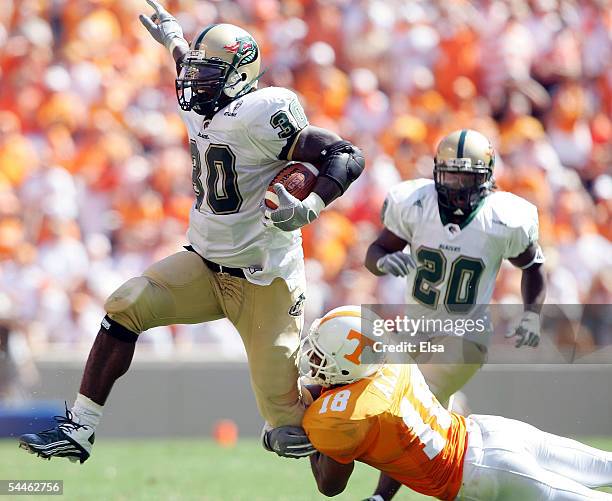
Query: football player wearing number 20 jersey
[(239, 264), (448, 238), (387, 417)]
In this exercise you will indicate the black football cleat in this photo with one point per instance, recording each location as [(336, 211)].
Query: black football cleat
[(67, 440)]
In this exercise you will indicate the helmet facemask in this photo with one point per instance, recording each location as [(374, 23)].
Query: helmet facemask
[(314, 362), (200, 84), (461, 185)]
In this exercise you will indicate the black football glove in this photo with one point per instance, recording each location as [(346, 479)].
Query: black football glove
[(287, 441)]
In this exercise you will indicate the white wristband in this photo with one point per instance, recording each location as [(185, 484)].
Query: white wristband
[(314, 202), (177, 42), (531, 315)]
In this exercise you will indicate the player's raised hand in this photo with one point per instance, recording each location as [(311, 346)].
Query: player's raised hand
[(398, 264), (163, 27), (527, 333), (293, 213)]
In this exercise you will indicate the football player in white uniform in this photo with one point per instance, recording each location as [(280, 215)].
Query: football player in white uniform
[(235, 265), (448, 237)]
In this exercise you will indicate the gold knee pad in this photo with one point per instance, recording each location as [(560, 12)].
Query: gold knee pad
[(127, 305)]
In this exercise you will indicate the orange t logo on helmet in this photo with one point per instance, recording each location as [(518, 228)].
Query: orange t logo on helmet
[(363, 342)]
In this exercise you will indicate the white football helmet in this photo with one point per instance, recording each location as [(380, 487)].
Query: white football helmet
[(339, 347), (222, 65)]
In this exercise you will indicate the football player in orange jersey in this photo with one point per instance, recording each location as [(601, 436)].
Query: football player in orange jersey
[(386, 416)]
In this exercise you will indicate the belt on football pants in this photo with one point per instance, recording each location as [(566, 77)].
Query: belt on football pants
[(217, 268)]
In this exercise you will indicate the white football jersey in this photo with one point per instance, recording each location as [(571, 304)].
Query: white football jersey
[(235, 156), (457, 266)]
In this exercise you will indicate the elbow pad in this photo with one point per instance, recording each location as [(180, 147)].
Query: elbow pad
[(342, 162)]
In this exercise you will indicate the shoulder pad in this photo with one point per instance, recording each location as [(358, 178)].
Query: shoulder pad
[(408, 192), (266, 101), (511, 210), (272, 114)]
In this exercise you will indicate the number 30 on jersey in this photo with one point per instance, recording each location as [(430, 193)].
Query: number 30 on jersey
[(222, 193)]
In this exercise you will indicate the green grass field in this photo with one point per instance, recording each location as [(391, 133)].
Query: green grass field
[(185, 470)]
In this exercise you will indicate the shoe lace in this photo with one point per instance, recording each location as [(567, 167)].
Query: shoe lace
[(67, 423)]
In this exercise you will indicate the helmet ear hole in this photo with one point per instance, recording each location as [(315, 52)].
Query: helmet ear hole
[(345, 372), (244, 76)]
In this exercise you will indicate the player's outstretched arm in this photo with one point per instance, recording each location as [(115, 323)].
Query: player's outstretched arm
[(386, 255), (331, 476), (166, 30), (533, 292), (533, 282)]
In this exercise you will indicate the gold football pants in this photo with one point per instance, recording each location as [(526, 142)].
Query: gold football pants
[(181, 289)]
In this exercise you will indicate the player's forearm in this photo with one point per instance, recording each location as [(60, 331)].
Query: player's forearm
[(533, 287), (314, 465), (375, 252), (327, 190), (178, 53), (387, 487), (317, 471), (331, 476)]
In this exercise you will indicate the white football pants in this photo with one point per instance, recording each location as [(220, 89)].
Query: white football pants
[(513, 461)]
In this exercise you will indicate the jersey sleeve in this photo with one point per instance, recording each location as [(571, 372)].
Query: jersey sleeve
[(276, 122), (523, 229), (340, 439)]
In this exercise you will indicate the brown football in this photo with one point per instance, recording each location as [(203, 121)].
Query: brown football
[(298, 178)]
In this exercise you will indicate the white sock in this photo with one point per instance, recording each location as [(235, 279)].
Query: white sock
[(86, 411)]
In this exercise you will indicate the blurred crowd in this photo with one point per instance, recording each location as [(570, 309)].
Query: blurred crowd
[(95, 172)]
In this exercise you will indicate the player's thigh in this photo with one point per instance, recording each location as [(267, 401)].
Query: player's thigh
[(176, 290), (448, 371), (270, 323)]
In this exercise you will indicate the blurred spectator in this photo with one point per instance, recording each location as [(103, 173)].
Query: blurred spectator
[(95, 175)]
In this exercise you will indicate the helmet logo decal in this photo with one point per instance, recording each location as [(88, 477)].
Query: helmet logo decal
[(363, 342), (248, 48), (233, 48)]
